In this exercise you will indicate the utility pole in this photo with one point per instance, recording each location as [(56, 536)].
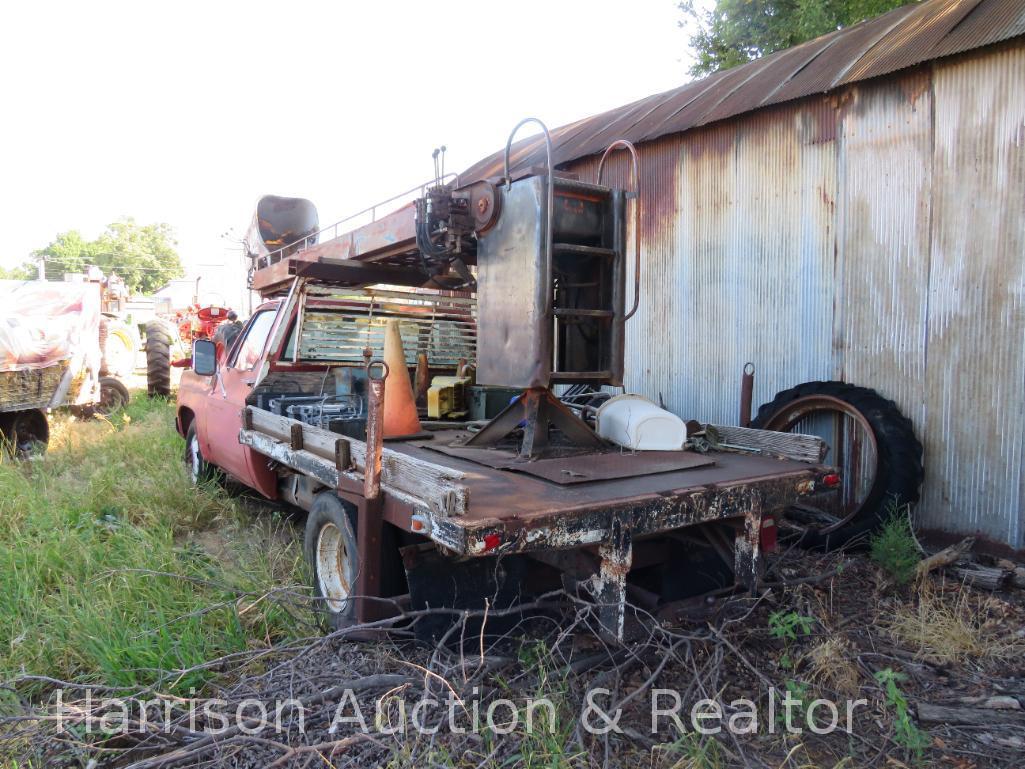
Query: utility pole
[(41, 267)]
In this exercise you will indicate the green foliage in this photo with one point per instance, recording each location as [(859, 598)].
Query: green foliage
[(788, 625), (690, 751), (114, 570), (906, 733), (144, 255), (24, 272), (737, 31), (894, 547)]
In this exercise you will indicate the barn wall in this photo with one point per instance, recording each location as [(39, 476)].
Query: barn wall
[(873, 235)]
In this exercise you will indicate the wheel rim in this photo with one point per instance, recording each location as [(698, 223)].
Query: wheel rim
[(852, 450), (332, 567), (195, 461), (120, 354), (111, 399)]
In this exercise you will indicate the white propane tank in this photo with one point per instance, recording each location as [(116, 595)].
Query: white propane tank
[(634, 422)]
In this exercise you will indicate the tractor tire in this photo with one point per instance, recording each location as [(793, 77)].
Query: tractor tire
[(104, 336), (159, 338), (330, 547), (226, 334), (898, 454)]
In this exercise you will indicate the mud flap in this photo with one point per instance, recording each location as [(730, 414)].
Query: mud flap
[(437, 581)]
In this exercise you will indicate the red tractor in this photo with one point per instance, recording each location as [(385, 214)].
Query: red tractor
[(169, 341)]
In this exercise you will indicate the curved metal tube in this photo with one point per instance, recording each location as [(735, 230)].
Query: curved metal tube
[(635, 179), (550, 205)]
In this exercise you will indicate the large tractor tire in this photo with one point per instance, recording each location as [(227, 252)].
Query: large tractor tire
[(227, 333), (872, 444), (159, 338)]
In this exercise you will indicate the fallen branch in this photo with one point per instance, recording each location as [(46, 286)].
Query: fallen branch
[(945, 557)]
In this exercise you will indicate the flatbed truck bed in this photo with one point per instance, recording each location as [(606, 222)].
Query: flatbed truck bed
[(470, 509)]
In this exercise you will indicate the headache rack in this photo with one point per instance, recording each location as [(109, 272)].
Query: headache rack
[(338, 324)]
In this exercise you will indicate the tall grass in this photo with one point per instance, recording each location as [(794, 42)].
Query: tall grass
[(102, 578)]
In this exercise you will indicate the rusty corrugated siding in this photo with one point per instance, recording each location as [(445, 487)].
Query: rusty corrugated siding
[(975, 379), (873, 235), (896, 40)]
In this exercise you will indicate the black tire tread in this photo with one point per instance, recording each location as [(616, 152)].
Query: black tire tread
[(158, 358), (900, 472)]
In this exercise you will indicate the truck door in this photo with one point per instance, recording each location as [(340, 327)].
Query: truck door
[(231, 386)]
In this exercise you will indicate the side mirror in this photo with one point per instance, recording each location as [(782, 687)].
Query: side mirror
[(204, 357)]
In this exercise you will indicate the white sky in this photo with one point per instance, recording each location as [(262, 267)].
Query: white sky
[(188, 112)]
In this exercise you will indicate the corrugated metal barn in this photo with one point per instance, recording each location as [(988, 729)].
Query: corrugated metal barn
[(852, 208)]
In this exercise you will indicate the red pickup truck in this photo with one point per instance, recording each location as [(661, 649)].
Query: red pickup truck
[(285, 409)]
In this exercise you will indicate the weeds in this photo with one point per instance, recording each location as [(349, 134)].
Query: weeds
[(894, 547), (955, 631), (905, 732), (829, 665), (786, 626), (95, 581)]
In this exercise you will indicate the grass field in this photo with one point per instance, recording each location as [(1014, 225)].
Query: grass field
[(114, 570)]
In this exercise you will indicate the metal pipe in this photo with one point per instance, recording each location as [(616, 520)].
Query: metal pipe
[(747, 383), (377, 373), (635, 182), (549, 213)]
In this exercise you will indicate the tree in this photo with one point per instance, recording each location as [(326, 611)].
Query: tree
[(24, 272), (737, 31), (145, 256)]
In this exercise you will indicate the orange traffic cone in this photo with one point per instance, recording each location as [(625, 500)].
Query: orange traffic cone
[(400, 418)]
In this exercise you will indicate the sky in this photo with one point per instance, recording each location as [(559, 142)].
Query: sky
[(187, 113)]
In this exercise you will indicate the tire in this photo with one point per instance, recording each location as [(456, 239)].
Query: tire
[(159, 337), (330, 547), (200, 471), (24, 433), (104, 336), (226, 334), (898, 455), (113, 396)]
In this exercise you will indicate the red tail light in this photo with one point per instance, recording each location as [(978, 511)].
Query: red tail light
[(831, 481)]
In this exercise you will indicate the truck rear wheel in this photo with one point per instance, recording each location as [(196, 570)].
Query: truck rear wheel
[(872, 444), (330, 546), (159, 337)]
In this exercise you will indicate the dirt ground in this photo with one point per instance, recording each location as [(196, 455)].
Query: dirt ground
[(824, 627)]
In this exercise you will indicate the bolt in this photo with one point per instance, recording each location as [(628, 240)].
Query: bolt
[(482, 205)]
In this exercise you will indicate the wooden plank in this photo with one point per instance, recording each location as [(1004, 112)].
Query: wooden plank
[(804, 448), (945, 714), (438, 485)]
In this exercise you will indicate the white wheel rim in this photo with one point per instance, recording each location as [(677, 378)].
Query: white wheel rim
[(194, 459), (332, 567), (121, 356)]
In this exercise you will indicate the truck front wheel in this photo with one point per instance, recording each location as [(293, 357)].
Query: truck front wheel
[(199, 469), (330, 546)]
